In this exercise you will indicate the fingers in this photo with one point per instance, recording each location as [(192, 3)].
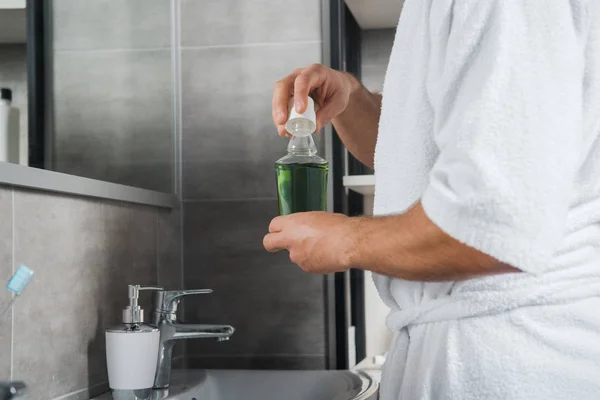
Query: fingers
[(309, 79), (277, 224), (281, 97), (276, 239), (326, 114), (274, 242), (300, 84)]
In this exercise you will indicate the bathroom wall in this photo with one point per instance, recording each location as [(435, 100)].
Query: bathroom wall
[(376, 47), (232, 53), (113, 91), (84, 252)]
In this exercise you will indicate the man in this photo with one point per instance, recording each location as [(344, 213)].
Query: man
[(487, 236)]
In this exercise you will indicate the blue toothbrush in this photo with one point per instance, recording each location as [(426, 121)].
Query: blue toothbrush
[(17, 284)]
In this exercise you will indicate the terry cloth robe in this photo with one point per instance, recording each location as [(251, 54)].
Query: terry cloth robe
[(491, 118)]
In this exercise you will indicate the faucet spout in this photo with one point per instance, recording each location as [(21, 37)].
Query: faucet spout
[(165, 319), (199, 331)]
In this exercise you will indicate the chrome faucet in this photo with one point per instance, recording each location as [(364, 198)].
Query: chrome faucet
[(165, 319), (12, 390)]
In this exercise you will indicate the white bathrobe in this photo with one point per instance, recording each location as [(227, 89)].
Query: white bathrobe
[(491, 118)]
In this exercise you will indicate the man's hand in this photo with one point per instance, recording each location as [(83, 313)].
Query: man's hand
[(340, 98), (408, 246), (331, 90), (318, 242)]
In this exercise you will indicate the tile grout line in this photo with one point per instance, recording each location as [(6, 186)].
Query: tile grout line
[(117, 50), (179, 98), (256, 355), (176, 97), (157, 244), (177, 120), (257, 44), (177, 31), (230, 200), (176, 15), (12, 311), (167, 48)]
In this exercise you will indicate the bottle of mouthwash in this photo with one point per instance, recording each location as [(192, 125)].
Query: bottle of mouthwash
[(301, 174)]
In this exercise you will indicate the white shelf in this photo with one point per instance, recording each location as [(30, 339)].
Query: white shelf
[(363, 184), (376, 14), (13, 22), (12, 4)]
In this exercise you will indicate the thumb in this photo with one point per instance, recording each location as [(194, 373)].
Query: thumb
[(274, 242)]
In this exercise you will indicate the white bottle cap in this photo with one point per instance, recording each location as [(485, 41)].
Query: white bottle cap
[(306, 120)]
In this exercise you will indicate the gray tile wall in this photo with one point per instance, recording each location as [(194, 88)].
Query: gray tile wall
[(6, 268), (376, 47), (232, 53), (113, 91), (84, 253)]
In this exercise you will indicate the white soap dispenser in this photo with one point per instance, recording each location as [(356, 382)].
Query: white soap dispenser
[(132, 352)]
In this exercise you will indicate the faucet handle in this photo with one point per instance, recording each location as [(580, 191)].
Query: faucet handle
[(166, 301)]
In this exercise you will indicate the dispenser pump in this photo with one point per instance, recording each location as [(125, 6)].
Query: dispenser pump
[(133, 313)]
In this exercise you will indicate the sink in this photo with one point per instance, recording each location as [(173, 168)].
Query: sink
[(261, 385), (267, 385)]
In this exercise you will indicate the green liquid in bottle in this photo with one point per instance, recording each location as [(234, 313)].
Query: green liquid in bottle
[(301, 174), (301, 187)]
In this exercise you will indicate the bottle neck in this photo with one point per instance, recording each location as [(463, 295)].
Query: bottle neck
[(302, 146)]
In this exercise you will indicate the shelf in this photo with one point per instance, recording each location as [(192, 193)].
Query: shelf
[(13, 22), (376, 14), (363, 184), (12, 4)]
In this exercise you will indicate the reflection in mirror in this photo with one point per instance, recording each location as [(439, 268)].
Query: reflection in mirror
[(109, 93), (13, 82)]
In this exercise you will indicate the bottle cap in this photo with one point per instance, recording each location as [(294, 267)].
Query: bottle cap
[(302, 124), (6, 94)]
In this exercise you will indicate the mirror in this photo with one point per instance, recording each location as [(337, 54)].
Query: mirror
[(13, 81), (93, 81)]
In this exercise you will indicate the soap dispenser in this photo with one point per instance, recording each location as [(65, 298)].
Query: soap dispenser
[(132, 352), (302, 174)]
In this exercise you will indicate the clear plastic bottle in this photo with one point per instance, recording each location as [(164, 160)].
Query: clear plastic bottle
[(9, 128), (301, 174)]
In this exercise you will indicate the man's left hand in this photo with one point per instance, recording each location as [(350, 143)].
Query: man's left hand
[(318, 242)]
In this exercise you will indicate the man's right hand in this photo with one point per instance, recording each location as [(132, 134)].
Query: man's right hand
[(330, 89)]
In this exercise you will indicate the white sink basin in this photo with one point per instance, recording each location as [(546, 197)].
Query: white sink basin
[(268, 385)]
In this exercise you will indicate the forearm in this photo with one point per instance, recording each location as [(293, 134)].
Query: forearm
[(357, 126), (412, 247)]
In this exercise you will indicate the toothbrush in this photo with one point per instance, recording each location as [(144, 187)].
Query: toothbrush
[(17, 284)]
